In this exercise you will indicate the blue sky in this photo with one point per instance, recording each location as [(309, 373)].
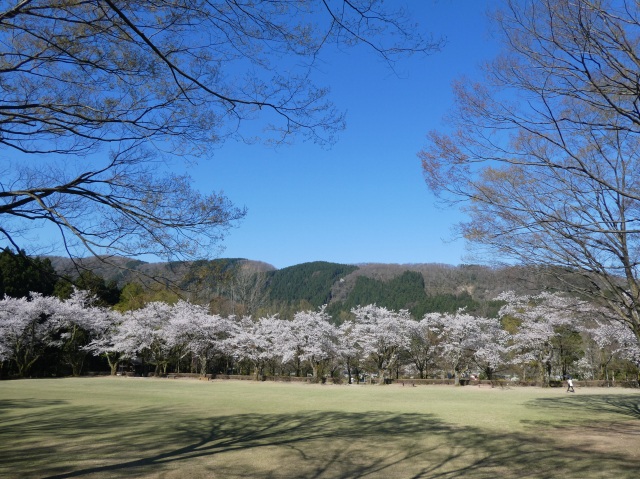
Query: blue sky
[(363, 200)]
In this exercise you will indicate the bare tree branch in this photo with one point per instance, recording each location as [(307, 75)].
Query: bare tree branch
[(544, 151), (90, 88)]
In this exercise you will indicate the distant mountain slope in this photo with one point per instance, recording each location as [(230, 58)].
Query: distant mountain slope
[(481, 282), (312, 282), (406, 290), (125, 270), (437, 287), (240, 286)]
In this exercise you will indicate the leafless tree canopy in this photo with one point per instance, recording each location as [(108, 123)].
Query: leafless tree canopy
[(545, 148), (93, 90)]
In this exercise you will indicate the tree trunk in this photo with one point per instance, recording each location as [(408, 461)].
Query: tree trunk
[(25, 362), (113, 363), (203, 366), (76, 366), (297, 363), (257, 371), (542, 374)]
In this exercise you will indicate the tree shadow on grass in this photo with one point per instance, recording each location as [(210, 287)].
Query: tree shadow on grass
[(69, 442), (623, 405), (611, 420), (31, 403)]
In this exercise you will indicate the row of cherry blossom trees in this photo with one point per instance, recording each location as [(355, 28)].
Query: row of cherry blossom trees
[(531, 337)]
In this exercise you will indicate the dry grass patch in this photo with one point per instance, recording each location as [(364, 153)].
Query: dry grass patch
[(123, 427)]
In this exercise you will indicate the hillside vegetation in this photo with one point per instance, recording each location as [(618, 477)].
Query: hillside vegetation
[(240, 286)]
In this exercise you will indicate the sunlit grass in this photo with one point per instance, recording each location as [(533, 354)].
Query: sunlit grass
[(128, 427)]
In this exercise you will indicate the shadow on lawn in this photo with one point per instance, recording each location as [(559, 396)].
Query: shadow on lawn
[(624, 405), (31, 403), (149, 442)]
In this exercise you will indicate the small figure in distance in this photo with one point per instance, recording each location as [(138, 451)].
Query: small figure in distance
[(570, 384)]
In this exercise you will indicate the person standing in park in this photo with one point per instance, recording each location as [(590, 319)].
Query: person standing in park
[(570, 384)]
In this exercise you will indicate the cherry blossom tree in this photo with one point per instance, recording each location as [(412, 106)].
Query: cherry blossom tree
[(422, 344), (314, 339), (492, 346), (374, 339), (142, 335), (108, 339), (26, 329), (349, 350), (259, 341), (191, 329), (541, 317), (382, 334), (462, 340), (614, 340), (76, 320)]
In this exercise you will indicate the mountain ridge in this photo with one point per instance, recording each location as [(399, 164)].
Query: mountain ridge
[(242, 286)]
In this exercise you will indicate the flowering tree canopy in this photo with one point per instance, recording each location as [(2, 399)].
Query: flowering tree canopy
[(529, 334)]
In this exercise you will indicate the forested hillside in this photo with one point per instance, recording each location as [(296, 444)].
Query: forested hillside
[(406, 291), (239, 286), (310, 282), (245, 315)]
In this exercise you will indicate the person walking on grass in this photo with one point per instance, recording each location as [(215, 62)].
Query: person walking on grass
[(570, 384)]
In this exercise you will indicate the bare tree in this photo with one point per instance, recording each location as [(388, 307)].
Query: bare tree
[(249, 287), (545, 149), (94, 93)]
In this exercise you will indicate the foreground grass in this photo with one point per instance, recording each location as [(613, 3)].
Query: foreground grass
[(126, 427)]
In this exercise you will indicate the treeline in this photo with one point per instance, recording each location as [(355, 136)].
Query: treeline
[(534, 338), (407, 291), (310, 282), (235, 286), (21, 275), (238, 290), (318, 283)]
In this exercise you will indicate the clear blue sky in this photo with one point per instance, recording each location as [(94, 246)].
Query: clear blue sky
[(363, 200)]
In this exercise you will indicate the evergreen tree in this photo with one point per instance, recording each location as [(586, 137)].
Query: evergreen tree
[(309, 281), (21, 275), (108, 293)]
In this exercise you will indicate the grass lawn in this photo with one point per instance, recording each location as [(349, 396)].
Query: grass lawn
[(162, 428)]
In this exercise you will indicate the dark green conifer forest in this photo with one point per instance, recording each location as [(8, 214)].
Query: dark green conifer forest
[(243, 287)]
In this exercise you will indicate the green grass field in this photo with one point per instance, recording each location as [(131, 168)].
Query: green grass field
[(128, 427)]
